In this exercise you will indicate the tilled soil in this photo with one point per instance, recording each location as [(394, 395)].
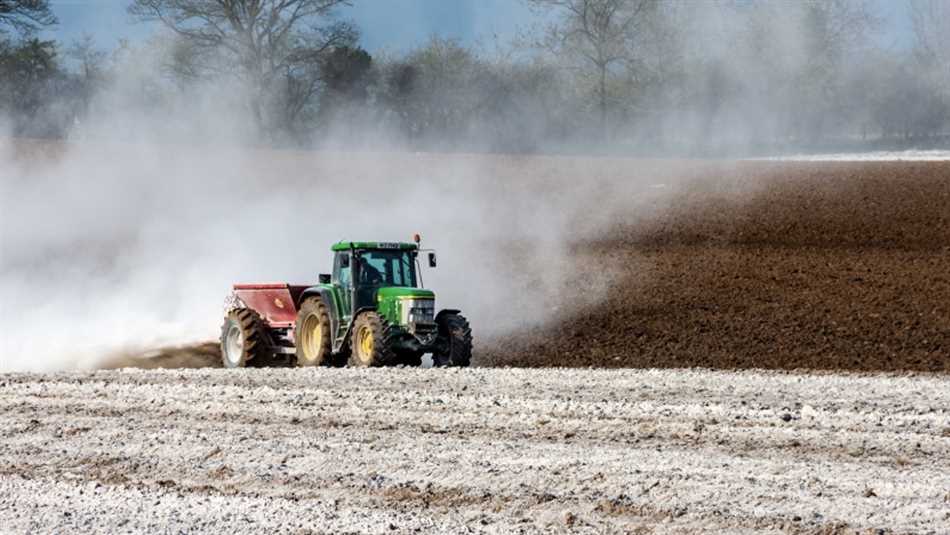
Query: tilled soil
[(842, 266), (479, 450)]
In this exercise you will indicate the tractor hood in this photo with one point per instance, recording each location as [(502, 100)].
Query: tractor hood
[(401, 292), (405, 306)]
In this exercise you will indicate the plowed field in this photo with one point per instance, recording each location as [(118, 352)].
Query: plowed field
[(841, 266)]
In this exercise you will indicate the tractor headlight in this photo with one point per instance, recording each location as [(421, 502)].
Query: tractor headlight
[(418, 312), (421, 315)]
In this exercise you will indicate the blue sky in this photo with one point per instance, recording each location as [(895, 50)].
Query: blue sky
[(391, 24)]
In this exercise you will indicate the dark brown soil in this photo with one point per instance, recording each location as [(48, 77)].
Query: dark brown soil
[(841, 266)]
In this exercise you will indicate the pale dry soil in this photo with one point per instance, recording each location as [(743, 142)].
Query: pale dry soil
[(477, 450)]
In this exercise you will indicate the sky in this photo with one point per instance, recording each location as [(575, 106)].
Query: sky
[(396, 25)]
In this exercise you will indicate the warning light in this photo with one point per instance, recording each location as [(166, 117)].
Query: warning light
[(416, 238)]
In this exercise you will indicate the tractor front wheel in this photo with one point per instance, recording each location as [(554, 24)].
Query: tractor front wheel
[(455, 341), (369, 342), (312, 333), (245, 340)]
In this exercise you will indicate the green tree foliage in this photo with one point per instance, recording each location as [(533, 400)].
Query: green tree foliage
[(30, 79), (345, 71)]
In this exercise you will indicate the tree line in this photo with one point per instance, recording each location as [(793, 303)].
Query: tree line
[(657, 76)]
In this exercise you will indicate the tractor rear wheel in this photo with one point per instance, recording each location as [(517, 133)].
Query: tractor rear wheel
[(245, 340), (312, 333), (370, 342), (455, 341)]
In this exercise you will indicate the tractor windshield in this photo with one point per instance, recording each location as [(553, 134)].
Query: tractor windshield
[(387, 268)]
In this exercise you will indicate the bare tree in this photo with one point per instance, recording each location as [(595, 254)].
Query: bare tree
[(832, 35), (306, 73), (599, 34), (91, 62), (90, 58), (931, 22), (25, 16), (265, 42)]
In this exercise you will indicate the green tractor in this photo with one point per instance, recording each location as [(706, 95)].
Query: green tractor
[(371, 311)]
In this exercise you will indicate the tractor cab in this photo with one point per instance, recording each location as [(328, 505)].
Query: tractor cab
[(365, 274), (361, 269)]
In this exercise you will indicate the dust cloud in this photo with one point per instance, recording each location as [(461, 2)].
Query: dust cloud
[(128, 236)]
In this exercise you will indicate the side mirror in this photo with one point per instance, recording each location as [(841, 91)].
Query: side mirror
[(432, 261), (324, 278)]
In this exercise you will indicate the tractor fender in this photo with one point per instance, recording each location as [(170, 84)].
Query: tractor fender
[(327, 296), (445, 311)]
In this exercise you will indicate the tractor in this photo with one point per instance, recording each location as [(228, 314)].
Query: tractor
[(371, 311)]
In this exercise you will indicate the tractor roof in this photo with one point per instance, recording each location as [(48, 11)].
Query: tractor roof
[(347, 245)]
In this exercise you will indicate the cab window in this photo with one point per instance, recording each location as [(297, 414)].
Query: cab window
[(341, 269), (387, 268)]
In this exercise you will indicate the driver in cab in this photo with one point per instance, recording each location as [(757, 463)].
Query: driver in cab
[(369, 275)]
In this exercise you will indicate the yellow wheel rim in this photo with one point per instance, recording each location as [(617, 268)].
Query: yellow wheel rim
[(312, 337), (366, 344)]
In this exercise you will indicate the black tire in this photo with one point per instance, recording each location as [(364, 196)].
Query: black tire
[(342, 358), (370, 342), (410, 359), (455, 342), (312, 334), (245, 340)]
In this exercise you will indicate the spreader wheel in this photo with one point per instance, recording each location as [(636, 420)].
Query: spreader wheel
[(370, 342), (245, 340), (312, 333), (455, 341)]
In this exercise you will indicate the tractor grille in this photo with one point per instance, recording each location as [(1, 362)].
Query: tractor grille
[(419, 315)]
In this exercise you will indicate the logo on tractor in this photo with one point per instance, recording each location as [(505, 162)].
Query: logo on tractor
[(278, 303)]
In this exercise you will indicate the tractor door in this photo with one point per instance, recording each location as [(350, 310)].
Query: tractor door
[(343, 280), (369, 275)]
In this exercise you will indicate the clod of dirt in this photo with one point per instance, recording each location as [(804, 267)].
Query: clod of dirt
[(568, 518)]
